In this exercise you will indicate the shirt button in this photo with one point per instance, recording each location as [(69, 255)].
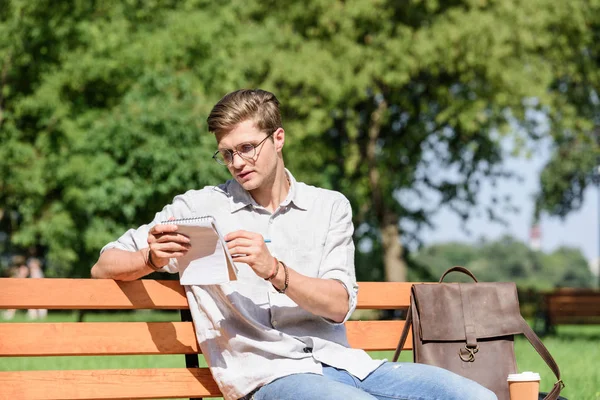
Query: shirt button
[(274, 323)]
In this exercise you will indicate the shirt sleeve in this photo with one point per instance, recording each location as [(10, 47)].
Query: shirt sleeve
[(137, 239), (338, 255)]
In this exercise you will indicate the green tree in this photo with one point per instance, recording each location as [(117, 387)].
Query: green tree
[(508, 259), (103, 111), (401, 106), (575, 64), (404, 105), (439, 257), (567, 267)]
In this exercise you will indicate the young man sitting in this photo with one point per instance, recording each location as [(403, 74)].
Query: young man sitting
[(277, 332)]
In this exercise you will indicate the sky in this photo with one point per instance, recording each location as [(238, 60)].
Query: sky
[(579, 229)]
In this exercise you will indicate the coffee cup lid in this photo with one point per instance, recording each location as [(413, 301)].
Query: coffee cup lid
[(524, 376)]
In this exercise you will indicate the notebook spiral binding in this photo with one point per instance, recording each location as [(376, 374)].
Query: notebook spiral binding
[(189, 220)]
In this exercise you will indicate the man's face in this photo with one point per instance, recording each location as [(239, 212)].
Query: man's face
[(251, 170)]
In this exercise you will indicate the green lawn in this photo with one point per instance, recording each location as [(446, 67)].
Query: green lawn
[(576, 349)]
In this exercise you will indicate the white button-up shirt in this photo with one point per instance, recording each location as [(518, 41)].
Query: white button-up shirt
[(248, 332)]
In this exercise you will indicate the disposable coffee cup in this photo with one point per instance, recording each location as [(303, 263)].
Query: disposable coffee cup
[(524, 386)]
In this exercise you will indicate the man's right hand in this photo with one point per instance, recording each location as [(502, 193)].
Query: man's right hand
[(164, 243)]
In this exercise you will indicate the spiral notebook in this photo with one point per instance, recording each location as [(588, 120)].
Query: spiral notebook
[(208, 261)]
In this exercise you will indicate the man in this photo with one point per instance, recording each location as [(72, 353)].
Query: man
[(18, 269), (277, 332), (35, 271)]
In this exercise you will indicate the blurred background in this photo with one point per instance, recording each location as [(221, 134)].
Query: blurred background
[(464, 132)]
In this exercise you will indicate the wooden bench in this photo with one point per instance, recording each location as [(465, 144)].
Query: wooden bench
[(35, 339), (569, 306)]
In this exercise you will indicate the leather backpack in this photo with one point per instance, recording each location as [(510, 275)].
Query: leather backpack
[(469, 329)]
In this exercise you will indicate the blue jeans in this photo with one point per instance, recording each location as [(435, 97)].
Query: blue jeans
[(406, 381)]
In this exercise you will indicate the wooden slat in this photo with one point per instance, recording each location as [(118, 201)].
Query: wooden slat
[(572, 305), (588, 307), (384, 295), (574, 312), (108, 384), (376, 335), (572, 292), (134, 338), (97, 338), (150, 294), (576, 320), (564, 320), (576, 298), (91, 294)]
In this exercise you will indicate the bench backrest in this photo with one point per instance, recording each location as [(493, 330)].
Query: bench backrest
[(573, 305), (136, 338)]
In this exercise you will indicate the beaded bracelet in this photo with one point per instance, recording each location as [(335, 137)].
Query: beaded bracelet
[(274, 274), (287, 279)]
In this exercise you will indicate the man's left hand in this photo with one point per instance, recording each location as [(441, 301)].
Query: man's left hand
[(250, 248)]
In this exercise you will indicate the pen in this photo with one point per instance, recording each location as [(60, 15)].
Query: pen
[(266, 241)]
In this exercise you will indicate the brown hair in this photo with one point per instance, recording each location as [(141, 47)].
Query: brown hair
[(258, 105)]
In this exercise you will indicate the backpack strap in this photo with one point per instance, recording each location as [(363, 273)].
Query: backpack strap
[(545, 354), (404, 333), (459, 269)]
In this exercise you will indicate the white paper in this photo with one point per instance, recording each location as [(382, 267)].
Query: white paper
[(208, 261)]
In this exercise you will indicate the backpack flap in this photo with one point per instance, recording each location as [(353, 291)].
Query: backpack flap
[(453, 311)]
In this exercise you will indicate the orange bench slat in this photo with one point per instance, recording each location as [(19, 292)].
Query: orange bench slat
[(376, 335), (137, 338), (97, 338), (59, 293), (109, 384)]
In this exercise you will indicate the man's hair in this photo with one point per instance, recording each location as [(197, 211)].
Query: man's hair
[(257, 105)]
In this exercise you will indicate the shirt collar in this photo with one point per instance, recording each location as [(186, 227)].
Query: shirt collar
[(239, 198)]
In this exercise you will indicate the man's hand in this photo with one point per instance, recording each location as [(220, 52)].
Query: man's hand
[(250, 248), (164, 243)]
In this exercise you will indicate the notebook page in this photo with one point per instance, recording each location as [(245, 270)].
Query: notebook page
[(208, 261)]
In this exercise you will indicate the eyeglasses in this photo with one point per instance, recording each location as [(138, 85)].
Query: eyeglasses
[(245, 150)]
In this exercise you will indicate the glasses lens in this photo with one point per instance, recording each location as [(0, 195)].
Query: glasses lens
[(223, 157), (246, 149)]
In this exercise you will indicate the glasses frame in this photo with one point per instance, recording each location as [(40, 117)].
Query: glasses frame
[(238, 152)]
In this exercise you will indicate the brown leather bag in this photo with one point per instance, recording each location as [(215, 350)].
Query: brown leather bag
[(469, 329)]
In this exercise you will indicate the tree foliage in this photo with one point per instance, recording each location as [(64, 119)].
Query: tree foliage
[(575, 117), (402, 106), (109, 131), (423, 95), (509, 260)]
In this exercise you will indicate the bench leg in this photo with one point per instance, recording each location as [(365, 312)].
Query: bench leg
[(539, 322), (191, 360), (549, 328)]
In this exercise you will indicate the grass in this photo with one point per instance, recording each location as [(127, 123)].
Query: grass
[(576, 350)]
